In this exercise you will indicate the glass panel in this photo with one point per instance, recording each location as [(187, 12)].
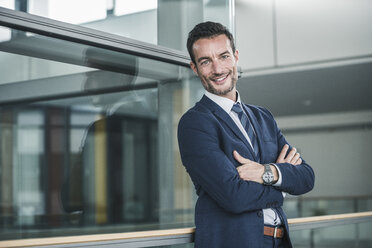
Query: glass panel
[(339, 236), (312, 206), (221, 11), (140, 19), (191, 245), (33, 62), (87, 140)]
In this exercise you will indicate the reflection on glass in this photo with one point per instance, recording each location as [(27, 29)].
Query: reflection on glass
[(296, 207), (28, 202), (114, 167), (132, 19), (87, 140), (59, 67), (5, 34), (123, 7), (8, 4), (91, 162), (221, 11), (340, 236)]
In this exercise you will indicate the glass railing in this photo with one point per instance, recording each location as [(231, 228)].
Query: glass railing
[(306, 206), (341, 236), (343, 230), (87, 127), (143, 20)]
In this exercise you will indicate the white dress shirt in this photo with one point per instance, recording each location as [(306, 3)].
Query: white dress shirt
[(270, 215)]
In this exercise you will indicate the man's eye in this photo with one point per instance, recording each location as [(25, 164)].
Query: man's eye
[(225, 56), (204, 62)]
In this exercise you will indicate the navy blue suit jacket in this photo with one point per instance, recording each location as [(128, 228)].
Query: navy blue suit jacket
[(228, 212)]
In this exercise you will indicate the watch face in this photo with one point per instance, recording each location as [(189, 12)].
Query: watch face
[(268, 177)]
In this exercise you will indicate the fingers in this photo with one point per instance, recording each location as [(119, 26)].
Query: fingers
[(293, 157), (240, 169), (240, 159), (299, 161), (282, 154)]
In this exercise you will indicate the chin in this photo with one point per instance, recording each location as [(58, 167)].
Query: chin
[(224, 90), (221, 92)]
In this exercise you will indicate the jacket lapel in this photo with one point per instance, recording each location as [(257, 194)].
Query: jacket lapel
[(224, 117)]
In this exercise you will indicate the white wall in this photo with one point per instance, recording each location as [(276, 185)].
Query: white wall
[(254, 33), (338, 147), (312, 30), (288, 32)]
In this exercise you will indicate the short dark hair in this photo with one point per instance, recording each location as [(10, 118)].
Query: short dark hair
[(207, 30)]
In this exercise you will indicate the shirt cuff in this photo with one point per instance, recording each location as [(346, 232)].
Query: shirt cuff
[(279, 182)]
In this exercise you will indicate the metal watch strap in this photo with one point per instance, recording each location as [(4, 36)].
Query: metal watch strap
[(268, 170)]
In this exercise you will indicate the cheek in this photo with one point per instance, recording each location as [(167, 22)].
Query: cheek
[(229, 63), (235, 73), (203, 78), (203, 74)]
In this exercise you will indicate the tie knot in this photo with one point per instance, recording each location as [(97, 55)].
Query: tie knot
[(237, 108)]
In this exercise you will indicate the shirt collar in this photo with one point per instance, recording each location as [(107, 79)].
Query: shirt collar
[(225, 103)]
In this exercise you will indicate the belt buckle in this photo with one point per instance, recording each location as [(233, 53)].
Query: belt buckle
[(275, 230)]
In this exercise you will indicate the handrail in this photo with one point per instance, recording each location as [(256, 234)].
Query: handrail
[(305, 220), (174, 236), (328, 220), (315, 198), (88, 36), (133, 236)]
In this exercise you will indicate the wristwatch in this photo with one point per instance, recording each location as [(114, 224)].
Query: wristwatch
[(268, 176)]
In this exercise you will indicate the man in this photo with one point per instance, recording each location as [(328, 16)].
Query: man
[(227, 147)]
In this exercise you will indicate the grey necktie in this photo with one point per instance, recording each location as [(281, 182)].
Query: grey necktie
[(247, 126)]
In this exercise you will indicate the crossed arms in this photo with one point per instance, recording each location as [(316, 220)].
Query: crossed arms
[(253, 171), (207, 154)]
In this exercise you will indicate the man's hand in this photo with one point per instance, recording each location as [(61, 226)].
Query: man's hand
[(252, 171), (293, 156)]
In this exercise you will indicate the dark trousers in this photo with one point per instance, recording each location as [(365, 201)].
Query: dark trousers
[(270, 242)]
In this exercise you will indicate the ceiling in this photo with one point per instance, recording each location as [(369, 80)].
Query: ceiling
[(314, 91)]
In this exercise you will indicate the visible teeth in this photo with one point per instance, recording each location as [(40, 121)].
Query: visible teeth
[(220, 79)]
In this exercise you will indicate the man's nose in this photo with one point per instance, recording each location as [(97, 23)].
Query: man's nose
[(217, 67)]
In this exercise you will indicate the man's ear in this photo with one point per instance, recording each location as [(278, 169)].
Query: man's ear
[(236, 55), (193, 67)]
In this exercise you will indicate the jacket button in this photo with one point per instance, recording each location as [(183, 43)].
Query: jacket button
[(259, 214)]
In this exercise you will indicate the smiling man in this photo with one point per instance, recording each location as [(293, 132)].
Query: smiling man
[(216, 65), (239, 161)]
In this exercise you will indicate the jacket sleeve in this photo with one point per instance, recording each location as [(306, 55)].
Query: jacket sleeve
[(213, 173), (296, 179)]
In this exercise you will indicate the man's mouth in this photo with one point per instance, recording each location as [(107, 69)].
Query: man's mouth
[(220, 79)]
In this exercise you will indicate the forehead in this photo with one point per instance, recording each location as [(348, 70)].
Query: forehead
[(209, 46)]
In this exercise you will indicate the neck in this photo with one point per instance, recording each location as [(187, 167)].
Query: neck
[(232, 95)]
